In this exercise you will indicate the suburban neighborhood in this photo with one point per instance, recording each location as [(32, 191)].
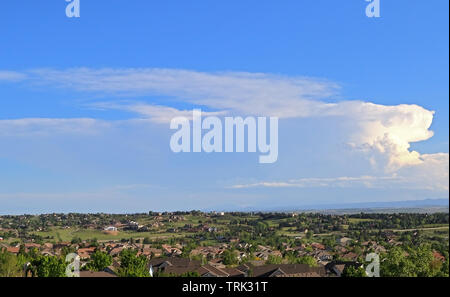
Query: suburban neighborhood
[(198, 244)]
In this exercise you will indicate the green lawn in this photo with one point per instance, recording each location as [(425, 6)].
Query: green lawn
[(434, 225), (357, 220), (60, 234)]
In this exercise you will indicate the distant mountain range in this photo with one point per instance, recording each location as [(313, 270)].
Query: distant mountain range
[(393, 204), (409, 204)]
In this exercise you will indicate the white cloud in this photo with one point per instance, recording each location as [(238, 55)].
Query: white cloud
[(418, 179), (50, 126), (247, 93), (383, 132), (432, 173), (386, 131), (155, 113), (11, 76), (340, 182)]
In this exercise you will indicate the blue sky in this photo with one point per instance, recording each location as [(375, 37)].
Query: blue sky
[(70, 140)]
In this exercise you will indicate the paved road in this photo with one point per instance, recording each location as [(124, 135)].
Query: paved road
[(416, 229), (392, 230)]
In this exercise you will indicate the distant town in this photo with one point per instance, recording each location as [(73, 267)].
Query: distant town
[(225, 244)]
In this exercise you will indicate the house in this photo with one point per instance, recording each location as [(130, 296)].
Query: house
[(61, 245), (179, 266), (338, 268), (132, 225), (350, 256), (344, 241), (29, 246), (323, 256), (85, 253), (438, 256), (284, 270), (241, 256), (217, 262), (48, 245), (47, 252), (13, 250), (340, 249), (97, 274), (317, 246), (379, 249), (372, 245), (233, 272), (175, 266), (115, 266), (148, 252), (209, 252), (115, 251), (211, 271), (263, 252), (171, 251), (110, 245)]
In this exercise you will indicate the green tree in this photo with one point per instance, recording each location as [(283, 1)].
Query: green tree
[(190, 274), (49, 266), (186, 251), (9, 266), (410, 262), (76, 240), (132, 265), (306, 260), (229, 258), (99, 261), (274, 260), (352, 271), (444, 269)]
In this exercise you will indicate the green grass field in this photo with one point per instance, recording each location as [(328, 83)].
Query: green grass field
[(59, 234), (357, 220)]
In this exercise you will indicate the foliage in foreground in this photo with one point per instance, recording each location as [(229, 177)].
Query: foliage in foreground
[(132, 265)]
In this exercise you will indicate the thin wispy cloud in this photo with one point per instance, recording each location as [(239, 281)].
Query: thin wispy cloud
[(341, 182), (379, 182), (12, 76), (51, 126), (243, 92), (154, 113)]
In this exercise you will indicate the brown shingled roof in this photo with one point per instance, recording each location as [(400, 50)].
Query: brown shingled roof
[(233, 272), (297, 270), (215, 271), (96, 274), (14, 250)]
